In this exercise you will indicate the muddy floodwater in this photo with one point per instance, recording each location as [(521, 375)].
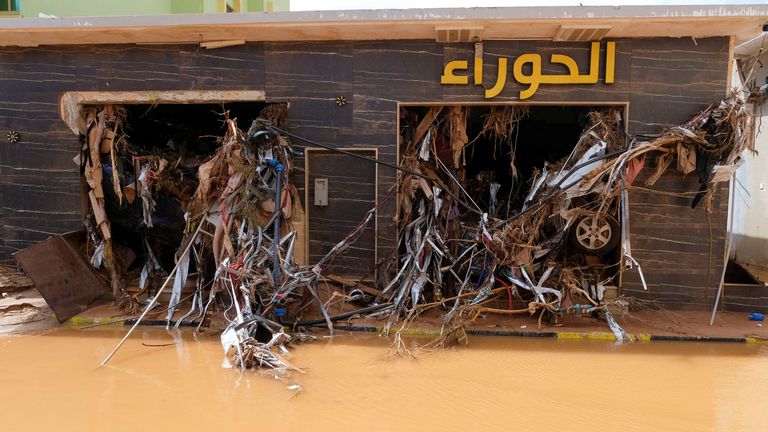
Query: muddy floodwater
[(51, 381)]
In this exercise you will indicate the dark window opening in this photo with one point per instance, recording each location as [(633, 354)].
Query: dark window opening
[(507, 157), (543, 135), (9, 5), (183, 137)]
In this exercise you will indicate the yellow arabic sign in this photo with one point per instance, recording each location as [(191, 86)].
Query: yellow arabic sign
[(535, 77)]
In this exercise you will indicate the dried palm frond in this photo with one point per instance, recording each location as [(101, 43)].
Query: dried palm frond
[(608, 125), (276, 113), (723, 131), (254, 354), (518, 239), (501, 121), (457, 128)]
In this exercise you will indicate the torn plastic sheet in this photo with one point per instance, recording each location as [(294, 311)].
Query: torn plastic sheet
[(145, 271), (197, 304), (438, 202), (724, 173), (197, 297), (484, 234), (399, 274), (97, 259), (539, 290), (178, 283), (621, 335), (417, 287), (150, 266), (536, 186), (424, 150)]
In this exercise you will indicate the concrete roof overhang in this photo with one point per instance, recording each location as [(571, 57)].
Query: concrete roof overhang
[(743, 22)]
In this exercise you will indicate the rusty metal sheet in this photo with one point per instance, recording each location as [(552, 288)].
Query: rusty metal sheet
[(62, 275)]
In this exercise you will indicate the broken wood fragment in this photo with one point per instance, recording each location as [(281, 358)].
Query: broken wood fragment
[(347, 282)]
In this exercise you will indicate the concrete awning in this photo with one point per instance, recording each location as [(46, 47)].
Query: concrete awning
[(542, 23)]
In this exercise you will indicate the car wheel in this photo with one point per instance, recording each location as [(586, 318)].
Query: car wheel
[(595, 234)]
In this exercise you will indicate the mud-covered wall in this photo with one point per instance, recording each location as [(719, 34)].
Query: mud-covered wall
[(665, 81)]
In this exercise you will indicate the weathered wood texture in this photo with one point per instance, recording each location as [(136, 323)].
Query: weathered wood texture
[(39, 183), (351, 193), (679, 248), (745, 298), (664, 80), (373, 77)]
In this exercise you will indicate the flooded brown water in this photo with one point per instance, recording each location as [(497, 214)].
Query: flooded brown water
[(50, 381)]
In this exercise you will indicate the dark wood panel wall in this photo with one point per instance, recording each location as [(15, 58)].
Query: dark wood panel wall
[(351, 193), (679, 248), (665, 81)]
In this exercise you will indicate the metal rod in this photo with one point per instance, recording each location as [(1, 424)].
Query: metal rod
[(729, 229), (276, 265), (154, 299)]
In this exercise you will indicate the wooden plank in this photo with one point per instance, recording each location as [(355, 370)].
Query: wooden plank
[(347, 282), (426, 123)]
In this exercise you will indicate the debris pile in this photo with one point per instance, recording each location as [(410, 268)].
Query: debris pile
[(20, 303), (563, 241), (470, 244), (12, 280)]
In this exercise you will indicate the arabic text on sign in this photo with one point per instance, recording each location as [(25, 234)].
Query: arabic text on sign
[(454, 72)]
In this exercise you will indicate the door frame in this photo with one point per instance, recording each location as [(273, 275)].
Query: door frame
[(624, 104), (308, 205)]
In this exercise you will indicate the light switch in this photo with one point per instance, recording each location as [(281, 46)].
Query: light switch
[(321, 192)]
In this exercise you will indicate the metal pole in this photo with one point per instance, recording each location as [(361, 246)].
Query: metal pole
[(160, 291), (728, 229), (276, 266)]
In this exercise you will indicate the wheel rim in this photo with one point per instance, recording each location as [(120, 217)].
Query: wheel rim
[(593, 232)]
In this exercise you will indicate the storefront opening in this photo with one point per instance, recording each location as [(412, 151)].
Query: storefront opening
[(504, 159)]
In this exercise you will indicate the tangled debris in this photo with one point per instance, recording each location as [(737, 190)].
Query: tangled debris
[(452, 246), (550, 245)]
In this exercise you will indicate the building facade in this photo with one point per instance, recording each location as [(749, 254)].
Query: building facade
[(664, 71)]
